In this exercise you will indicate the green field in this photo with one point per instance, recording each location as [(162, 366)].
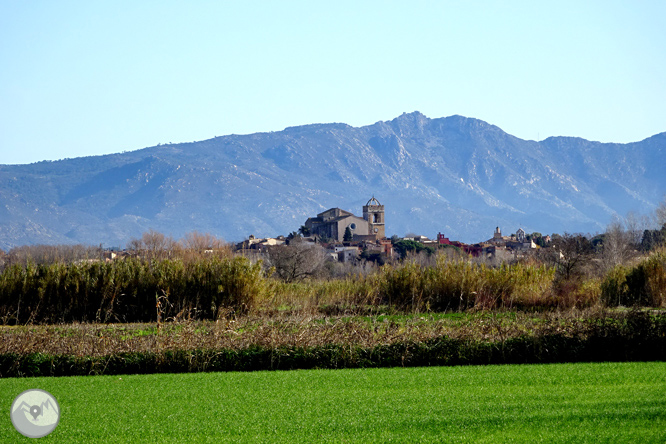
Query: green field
[(602, 402)]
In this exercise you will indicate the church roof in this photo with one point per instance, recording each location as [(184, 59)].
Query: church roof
[(340, 211), (373, 201)]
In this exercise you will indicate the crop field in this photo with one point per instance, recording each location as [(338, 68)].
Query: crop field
[(594, 402)]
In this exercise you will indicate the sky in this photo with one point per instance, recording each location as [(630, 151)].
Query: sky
[(81, 78)]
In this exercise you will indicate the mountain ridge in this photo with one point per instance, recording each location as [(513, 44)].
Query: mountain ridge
[(458, 175)]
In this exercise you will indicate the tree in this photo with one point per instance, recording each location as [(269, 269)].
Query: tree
[(404, 246), (304, 231), (660, 214), (47, 254), (569, 254), (297, 260), (155, 244), (653, 239), (377, 257), (537, 238), (617, 245), (348, 235), (199, 242), (294, 237), (634, 225)]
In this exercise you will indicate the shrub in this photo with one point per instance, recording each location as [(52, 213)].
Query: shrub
[(642, 285), (614, 290), (646, 283)]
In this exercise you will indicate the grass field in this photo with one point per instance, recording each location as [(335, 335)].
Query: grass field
[(603, 402)]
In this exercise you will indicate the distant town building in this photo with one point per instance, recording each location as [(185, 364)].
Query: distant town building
[(332, 223), (520, 235), (373, 212), (497, 238), (442, 240), (253, 243), (349, 254), (515, 241)]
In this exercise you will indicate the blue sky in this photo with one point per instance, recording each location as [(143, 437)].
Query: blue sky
[(85, 78)]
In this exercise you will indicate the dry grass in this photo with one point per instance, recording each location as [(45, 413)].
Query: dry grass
[(287, 330)]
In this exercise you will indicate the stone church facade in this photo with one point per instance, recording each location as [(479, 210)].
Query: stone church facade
[(332, 223)]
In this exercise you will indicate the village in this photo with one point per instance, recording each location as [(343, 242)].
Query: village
[(348, 238)]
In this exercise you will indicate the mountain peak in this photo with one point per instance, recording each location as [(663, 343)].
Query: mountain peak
[(415, 117), (316, 126), (406, 123)]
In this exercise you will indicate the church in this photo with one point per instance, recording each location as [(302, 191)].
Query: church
[(332, 223)]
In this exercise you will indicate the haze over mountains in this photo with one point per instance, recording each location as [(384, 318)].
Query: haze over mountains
[(457, 175)]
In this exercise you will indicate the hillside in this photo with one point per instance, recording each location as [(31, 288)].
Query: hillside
[(457, 175)]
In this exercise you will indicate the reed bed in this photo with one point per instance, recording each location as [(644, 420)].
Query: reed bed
[(134, 290), (130, 290)]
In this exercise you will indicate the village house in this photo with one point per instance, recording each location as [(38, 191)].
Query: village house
[(253, 243), (343, 253), (349, 254)]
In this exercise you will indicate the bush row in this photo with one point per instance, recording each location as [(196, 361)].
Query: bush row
[(127, 291), (637, 337)]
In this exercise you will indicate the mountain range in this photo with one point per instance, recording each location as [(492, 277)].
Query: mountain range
[(456, 175)]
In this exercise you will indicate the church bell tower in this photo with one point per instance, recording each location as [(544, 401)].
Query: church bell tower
[(373, 212)]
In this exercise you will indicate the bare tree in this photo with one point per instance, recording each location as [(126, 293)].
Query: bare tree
[(570, 253), (193, 245), (660, 214), (135, 244), (157, 245), (296, 261), (47, 254), (619, 243), (655, 236), (200, 242), (635, 224)]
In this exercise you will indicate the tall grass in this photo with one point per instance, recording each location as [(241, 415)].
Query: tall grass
[(641, 285), (414, 287), (350, 294), (129, 290), (461, 284)]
